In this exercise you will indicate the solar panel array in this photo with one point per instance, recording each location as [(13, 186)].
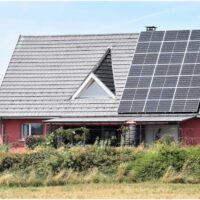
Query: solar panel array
[(165, 73)]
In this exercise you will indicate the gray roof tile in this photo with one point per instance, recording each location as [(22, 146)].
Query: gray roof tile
[(45, 71)]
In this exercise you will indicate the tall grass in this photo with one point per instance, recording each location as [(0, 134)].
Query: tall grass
[(168, 163)]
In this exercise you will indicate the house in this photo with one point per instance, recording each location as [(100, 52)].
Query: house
[(95, 81)]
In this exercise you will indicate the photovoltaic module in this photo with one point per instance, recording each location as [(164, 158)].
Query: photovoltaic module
[(165, 73)]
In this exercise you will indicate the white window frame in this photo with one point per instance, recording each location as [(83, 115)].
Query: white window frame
[(90, 78), (29, 129)]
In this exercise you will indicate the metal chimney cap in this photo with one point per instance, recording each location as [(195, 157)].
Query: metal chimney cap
[(151, 28)]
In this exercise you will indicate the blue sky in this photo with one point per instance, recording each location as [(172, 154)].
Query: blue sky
[(44, 18)]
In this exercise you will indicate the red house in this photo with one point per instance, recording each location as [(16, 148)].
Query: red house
[(149, 81)]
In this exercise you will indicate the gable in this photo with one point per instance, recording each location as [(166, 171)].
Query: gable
[(100, 82)]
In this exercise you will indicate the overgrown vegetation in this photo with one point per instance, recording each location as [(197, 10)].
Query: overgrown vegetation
[(167, 161), (71, 137), (48, 166), (34, 141)]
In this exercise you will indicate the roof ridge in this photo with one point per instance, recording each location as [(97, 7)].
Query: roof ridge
[(76, 35)]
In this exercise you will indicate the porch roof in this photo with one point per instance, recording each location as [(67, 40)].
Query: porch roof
[(90, 120), (163, 119)]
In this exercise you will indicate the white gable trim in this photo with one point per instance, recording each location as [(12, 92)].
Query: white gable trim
[(98, 81)]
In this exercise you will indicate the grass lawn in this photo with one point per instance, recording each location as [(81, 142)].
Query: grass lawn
[(136, 190)]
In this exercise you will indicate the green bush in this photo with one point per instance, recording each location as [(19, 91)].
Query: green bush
[(153, 164), (8, 160), (194, 161), (42, 161), (34, 141), (76, 136), (100, 163), (4, 147), (81, 159), (166, 139)]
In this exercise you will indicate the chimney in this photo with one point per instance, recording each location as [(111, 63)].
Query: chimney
[(151, 28)]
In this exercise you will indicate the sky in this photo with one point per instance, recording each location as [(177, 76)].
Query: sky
[(49, 18)]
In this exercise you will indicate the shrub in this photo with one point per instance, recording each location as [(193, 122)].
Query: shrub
[(8, 160), (153, 164), (69, 136), (33, 141), (41, 161), (4, 147), (51, 140), (194, 161), (100, 163), (166, 139)]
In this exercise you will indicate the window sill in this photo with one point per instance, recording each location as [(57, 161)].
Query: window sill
[(22, 140)]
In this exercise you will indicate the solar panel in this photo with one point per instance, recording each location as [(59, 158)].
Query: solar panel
[(164, 105), (193, 46), (171, 35), (161, 70), (180, 46), (151, 105), (137, 106), (154, 93), (195, 35), (173, 69), (165, 73)]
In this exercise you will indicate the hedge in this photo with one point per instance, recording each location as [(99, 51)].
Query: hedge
[(48, 166)]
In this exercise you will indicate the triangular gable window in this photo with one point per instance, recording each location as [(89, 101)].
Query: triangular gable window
[(91, 88), (100, 82)]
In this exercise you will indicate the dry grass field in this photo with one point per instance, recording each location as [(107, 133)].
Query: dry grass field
[(136, 190)]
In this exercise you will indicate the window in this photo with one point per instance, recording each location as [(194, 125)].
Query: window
[(93, 90), (31, 129), (93, 87)]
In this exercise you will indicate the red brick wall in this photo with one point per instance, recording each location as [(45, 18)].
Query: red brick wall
[(12, 128), (190, 131)]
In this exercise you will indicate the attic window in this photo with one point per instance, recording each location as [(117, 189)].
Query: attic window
[(93, 87), (93, 90)]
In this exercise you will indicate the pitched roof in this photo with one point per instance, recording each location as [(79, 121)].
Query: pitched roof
[(45, 71)]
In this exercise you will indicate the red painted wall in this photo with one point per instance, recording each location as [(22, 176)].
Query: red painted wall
[(12, 129), (190, 131), (1, 138)]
